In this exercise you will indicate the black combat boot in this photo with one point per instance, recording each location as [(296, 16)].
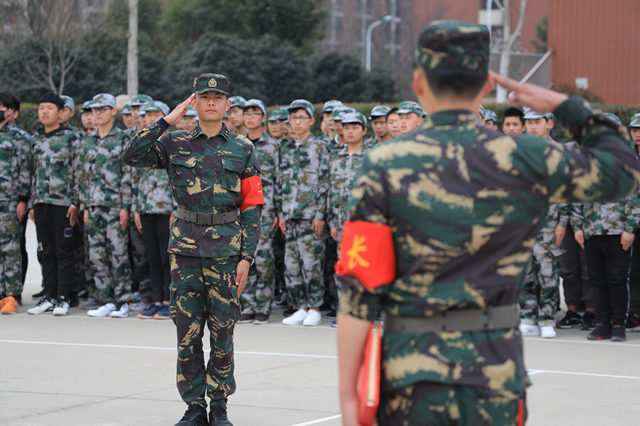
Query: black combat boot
[(194, 416), (218, 416)]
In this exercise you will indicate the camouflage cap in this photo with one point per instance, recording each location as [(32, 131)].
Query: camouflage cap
[(274, 115), (489, 115), (102, 100), (86, 107), (453, 46), (635, 120), (284, 114), (302, 104), (329, 106), (256, 103), (126, 109), (410, 106), (530, 114), (354, 117), (379, 111), (237, 101), (68, 102), (155, 106), (481, 110), (143, 111), (339, 112), (613, 117), (140, 99), (209, 82), (190, 112)]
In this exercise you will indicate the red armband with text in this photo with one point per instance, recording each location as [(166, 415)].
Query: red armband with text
[(366, 253), (251, 188)]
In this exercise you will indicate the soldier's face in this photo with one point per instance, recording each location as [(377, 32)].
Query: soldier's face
[(635, 134), (103, 115), (537, 127), (48, 114), (253, 118), (409, 122), (338, 127), (300, 122), (491, 124), (393, 124), (284, 127), (379, 126), (512, 126), (274, 129), (211, 106), (8, 112), (186, 123), (153, 116), (235, 116), (87, 120), (129, 120), (65, 115), (353, 133)]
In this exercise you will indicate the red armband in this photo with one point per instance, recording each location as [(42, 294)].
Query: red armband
[(366, 252), (251, 188)]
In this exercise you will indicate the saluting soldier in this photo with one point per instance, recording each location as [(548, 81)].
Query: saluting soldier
[(459, 205), (216, 183)]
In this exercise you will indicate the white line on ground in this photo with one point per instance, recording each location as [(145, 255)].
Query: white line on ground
[(581, 342), (157, 348), (577, 373), (322, 420)]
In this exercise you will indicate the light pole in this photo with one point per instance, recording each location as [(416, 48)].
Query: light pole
[(370, 28)]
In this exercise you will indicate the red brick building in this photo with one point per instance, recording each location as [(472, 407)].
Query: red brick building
[(597, 47)]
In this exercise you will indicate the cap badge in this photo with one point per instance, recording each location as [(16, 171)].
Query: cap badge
[(213, 82)]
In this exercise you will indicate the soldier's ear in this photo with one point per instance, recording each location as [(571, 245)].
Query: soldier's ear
[(419, 82), (488, 85)]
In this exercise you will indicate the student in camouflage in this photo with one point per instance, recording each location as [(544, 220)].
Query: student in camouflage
[(633, 318), (327, 119), (379, 127), (393, 123), (490, 119), (258, 294), (235, 115), (461, 204), (214, 180), (303, 184), (105, 197), (411, 116), (86, 116), (53, 192), (13, 160)]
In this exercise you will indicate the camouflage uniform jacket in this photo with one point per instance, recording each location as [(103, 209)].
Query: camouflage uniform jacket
[(105, 180), (151, 192), (343, 170), (205, 175), (463, 203), (303, 179), (267, 153), (612, 218), (333, 145), (557, 215), (52, 165), (13, 164)]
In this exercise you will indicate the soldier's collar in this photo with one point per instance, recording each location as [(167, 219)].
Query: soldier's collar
[(344, 150), (224, 132), (452, 116), (58, 129)]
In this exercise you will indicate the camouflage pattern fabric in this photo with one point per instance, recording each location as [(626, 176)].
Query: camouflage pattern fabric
[(151, 191), (10, 256), (464, 204), (433, 404), (303, 268), (108, 254), (607, 218), (203, 291), (198, 170)]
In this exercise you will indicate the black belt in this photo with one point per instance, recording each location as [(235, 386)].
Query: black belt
[(490, 318), (206, 218)]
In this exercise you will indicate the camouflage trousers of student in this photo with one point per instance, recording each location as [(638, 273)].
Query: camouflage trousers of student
[(258, 292), (203, 291), (10, 256), (304, 252), (108, 254), (138, 260), (539, 295), (427, 403), (83, 275)]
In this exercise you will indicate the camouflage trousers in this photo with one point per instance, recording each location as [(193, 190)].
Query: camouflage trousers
[(138, 260), (203, 290), (10, 256), (539, 295), (83, 274), (108, 254), (303, 274), (427, 403), (258, 293)]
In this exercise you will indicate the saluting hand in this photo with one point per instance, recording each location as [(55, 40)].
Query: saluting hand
[(536, 97), (178, 112)]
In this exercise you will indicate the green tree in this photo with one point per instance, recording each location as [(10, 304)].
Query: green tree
[(540, 42)]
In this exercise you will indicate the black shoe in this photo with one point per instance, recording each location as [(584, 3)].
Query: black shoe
[(601, 332), (331, 314), (38, 295), (246, 318), (633, 322), (218, 416), (288, 311), (617, 333), (83, 294), (588, 321), (570, 320), (194, 416)]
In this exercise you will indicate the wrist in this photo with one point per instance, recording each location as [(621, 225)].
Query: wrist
[(249, 259)]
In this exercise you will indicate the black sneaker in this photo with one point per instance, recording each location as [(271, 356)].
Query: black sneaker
[(617, 333), (601, 332), (289, 311), (246, 318), (38, 295), (588, 321), (261, 319), (194, 416), (331, 314), (633, 322), (218, 416), (570, 320)]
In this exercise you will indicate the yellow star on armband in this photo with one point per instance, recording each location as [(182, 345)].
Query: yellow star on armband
[(354, 253)]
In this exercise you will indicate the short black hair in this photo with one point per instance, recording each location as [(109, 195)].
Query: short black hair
[(16, 103), (51, 97), (513, 112), (6, 100), (462, 84), (393, 110)]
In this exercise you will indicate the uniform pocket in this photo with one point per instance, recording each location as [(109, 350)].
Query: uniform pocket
[(183, 171), (233, 168)]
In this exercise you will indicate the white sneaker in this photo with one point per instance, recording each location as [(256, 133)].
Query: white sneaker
[(296, 318), (313, 318), (548, 331), (121, 312), (102, 311), (61, 309), (529, 328), (44, 305)]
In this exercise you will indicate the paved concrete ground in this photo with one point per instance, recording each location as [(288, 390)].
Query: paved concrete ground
[(78, 370)]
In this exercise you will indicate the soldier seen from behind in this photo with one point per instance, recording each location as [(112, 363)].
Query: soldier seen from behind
[(442, 225)]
